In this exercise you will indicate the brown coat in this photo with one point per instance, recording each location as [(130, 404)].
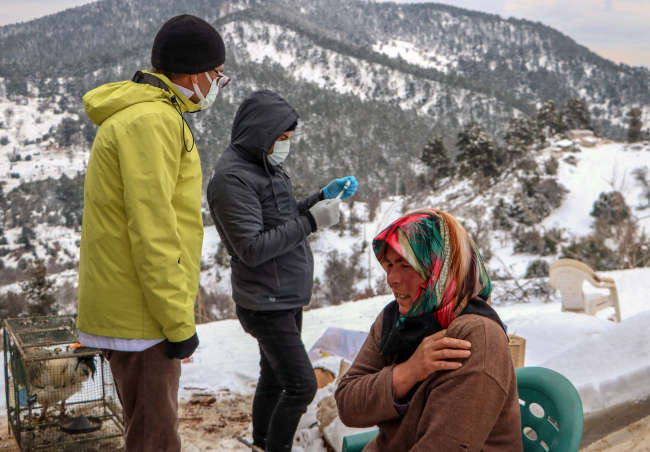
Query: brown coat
[(474, 408)]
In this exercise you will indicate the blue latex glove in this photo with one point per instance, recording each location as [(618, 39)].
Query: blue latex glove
[(335, 187)]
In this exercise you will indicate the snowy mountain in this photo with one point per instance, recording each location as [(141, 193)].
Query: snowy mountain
[(364, 76), (440, 54)]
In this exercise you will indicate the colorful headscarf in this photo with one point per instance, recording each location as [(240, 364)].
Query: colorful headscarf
[(437, 246)]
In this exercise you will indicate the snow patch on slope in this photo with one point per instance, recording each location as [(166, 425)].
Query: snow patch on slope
[(599, 169), (305, 60), (412, 54), (29, 153)]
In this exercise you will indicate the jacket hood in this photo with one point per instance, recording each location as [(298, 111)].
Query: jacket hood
[(261, 119), (103, 102)]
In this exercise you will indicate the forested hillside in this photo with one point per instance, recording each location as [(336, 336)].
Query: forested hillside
[(372, 81)]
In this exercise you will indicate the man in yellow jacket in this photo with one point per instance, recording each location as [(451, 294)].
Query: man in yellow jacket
[(142, 228)]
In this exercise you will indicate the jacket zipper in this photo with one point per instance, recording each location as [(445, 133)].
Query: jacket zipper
[(277, 274), (285, 177)]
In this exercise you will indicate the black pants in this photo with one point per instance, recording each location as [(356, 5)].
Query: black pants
[(287, 381)]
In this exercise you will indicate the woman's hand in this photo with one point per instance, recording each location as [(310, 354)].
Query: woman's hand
[(429, 357)]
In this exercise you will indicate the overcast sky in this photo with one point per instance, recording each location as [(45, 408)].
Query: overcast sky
[(618, 30)]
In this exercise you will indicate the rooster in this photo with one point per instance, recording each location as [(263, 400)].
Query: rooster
[(56, 380)]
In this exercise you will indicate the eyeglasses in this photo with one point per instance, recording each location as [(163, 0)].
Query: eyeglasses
[(222, 80)]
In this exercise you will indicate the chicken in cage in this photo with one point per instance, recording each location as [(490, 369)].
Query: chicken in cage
[(56, 380), (47, 370)]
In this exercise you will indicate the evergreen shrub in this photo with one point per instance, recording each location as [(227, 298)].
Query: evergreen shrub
[(593, 252), (537, 269), (610, 208)]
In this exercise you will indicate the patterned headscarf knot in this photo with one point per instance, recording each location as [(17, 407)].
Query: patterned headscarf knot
[(439, 249)]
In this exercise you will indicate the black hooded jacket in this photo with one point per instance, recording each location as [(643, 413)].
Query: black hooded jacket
[(256, 213)]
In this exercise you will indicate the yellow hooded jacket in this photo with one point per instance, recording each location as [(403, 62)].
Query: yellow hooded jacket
[(142, 228)]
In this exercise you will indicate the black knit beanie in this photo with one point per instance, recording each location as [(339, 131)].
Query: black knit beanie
[(187, 45)]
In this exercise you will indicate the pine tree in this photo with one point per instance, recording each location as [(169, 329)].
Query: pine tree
[(575, 114), (521, 135), (342, 273), (39, 290), (478, 152), (3, 206), (221, 257), (549, 119), (66, 130), (436, 157), (71, 193), (634, 133), (523, 130), (27, 234)]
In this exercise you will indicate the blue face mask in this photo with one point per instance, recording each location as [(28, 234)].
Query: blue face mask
[(280, 152)]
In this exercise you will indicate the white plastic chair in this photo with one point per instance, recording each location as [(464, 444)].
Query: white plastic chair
[(568, 275)]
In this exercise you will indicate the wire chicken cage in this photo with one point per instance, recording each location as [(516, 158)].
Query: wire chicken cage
[(60, 395)]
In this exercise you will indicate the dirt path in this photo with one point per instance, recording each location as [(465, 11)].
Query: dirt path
[(209, 422), (602, 423), (633, 438), (7, 441)]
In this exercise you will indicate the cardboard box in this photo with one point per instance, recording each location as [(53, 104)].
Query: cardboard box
[(517, 349)]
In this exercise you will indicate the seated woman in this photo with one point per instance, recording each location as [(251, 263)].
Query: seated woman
[(435, 373)]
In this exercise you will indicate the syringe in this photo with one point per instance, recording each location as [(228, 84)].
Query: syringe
[(347, 185)]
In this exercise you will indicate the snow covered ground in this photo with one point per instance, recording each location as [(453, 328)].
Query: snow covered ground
[(412, 54), (307, 60)]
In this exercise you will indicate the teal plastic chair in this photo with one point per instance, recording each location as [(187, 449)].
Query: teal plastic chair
[(356, 443), (551, 411), (551, 414)]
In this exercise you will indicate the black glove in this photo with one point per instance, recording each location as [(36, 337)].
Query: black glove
[(183, 349)]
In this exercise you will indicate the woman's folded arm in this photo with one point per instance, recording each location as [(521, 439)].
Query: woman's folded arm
[(365, 395)]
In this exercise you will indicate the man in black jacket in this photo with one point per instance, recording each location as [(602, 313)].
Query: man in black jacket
[(265, 232)]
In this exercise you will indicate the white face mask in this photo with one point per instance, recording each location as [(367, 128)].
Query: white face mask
[(206, 101), (280, 152)]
